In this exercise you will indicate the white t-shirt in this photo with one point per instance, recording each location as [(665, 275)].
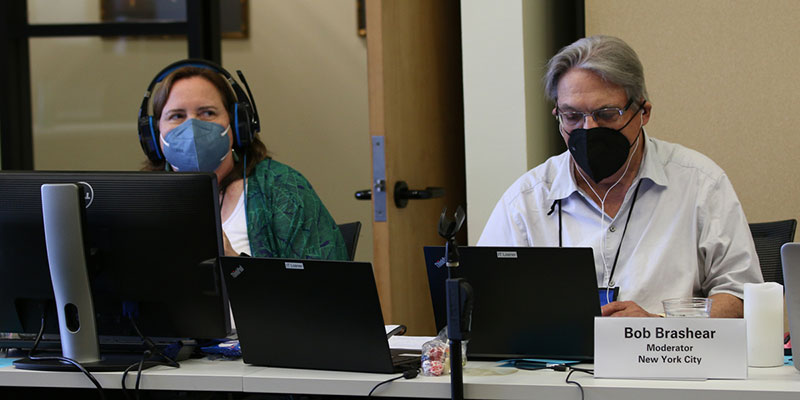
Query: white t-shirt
[(235, 228), (687, 236)]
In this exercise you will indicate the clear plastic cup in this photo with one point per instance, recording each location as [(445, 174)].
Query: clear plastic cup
[(691, 307)]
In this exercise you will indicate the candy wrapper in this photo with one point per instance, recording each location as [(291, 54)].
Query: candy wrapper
[(436, 355)]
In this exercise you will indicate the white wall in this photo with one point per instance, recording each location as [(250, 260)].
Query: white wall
[(494, 104), (507, 123), (305, 63)]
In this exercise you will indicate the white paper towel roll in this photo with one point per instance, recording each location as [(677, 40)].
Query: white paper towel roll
[(763, 310)]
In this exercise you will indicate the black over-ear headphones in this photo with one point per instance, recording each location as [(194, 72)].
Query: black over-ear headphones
[(245, 122)]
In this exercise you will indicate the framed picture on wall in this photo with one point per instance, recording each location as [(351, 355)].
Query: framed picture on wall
[(233, 13)]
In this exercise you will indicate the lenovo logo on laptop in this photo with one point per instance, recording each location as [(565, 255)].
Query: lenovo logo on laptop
[(293, 265), (506, 254), (238, 271)]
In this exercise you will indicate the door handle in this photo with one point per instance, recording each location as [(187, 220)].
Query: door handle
[(402, 193), (378, 186), (364, 195)]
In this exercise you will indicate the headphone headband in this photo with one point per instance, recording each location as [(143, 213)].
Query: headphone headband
[(244, 116)]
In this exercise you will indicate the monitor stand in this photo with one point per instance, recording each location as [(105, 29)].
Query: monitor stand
[(63, 215)]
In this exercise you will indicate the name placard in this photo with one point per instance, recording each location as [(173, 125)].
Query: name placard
[(670, 348)]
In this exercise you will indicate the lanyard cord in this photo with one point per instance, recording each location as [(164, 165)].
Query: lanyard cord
[(552, 207), (559, 223), (625, 229)]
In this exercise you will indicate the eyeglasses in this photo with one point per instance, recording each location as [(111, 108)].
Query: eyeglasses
[(603, 117)]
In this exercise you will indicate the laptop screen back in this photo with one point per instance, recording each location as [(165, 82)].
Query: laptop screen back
[(790, 260), (307, 314), (528, 301)]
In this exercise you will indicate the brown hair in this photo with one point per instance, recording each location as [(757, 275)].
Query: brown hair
[(254, 153)]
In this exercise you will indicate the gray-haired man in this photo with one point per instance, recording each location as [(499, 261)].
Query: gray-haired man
[(663, 220)]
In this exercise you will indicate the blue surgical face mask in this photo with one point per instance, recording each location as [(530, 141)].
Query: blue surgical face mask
[(196, 146)]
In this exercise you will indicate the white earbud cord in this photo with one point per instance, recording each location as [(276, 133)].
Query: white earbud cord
[(606, 271), (244, 184)]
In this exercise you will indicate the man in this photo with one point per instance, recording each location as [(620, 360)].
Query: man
[(663, 220)]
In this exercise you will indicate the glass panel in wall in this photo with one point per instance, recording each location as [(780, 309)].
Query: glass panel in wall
[(234, 15), (85, 94)]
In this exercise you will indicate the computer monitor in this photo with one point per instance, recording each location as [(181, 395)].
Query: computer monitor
[(152, 240)]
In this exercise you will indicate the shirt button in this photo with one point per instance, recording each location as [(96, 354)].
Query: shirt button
[(612, 229)]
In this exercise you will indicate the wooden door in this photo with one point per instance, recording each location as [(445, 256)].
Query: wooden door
[(416, 106)]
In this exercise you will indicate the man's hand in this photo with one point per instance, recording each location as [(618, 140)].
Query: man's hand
[(624, 309), (724, 305)]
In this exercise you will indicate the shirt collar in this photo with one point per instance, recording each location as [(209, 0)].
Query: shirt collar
[(564, 181), (653, 164), (652, 168)]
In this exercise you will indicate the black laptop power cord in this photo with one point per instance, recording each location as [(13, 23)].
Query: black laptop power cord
[(562, 367), (410, 374), (151, 350), (64, 360), (537, 365), (139, 365), (152, 347)]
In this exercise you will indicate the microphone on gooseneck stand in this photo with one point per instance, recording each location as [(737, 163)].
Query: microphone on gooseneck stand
[(459, 301)]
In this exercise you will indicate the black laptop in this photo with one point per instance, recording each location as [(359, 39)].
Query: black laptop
[(529, 302), (310, 314)]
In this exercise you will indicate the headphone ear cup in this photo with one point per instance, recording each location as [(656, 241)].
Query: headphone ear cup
[(243, 127), (148, 139)]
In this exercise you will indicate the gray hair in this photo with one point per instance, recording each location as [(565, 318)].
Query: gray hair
[(607, 56)]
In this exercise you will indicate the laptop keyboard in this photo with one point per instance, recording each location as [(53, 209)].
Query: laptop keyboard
[(404, 360)]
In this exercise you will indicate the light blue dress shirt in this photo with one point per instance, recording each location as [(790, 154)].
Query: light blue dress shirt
[(687, 236)]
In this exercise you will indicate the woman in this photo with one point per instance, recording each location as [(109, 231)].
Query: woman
[(280, 215)]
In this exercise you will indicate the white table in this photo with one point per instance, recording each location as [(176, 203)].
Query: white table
[(193, 375), (482, 381)]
